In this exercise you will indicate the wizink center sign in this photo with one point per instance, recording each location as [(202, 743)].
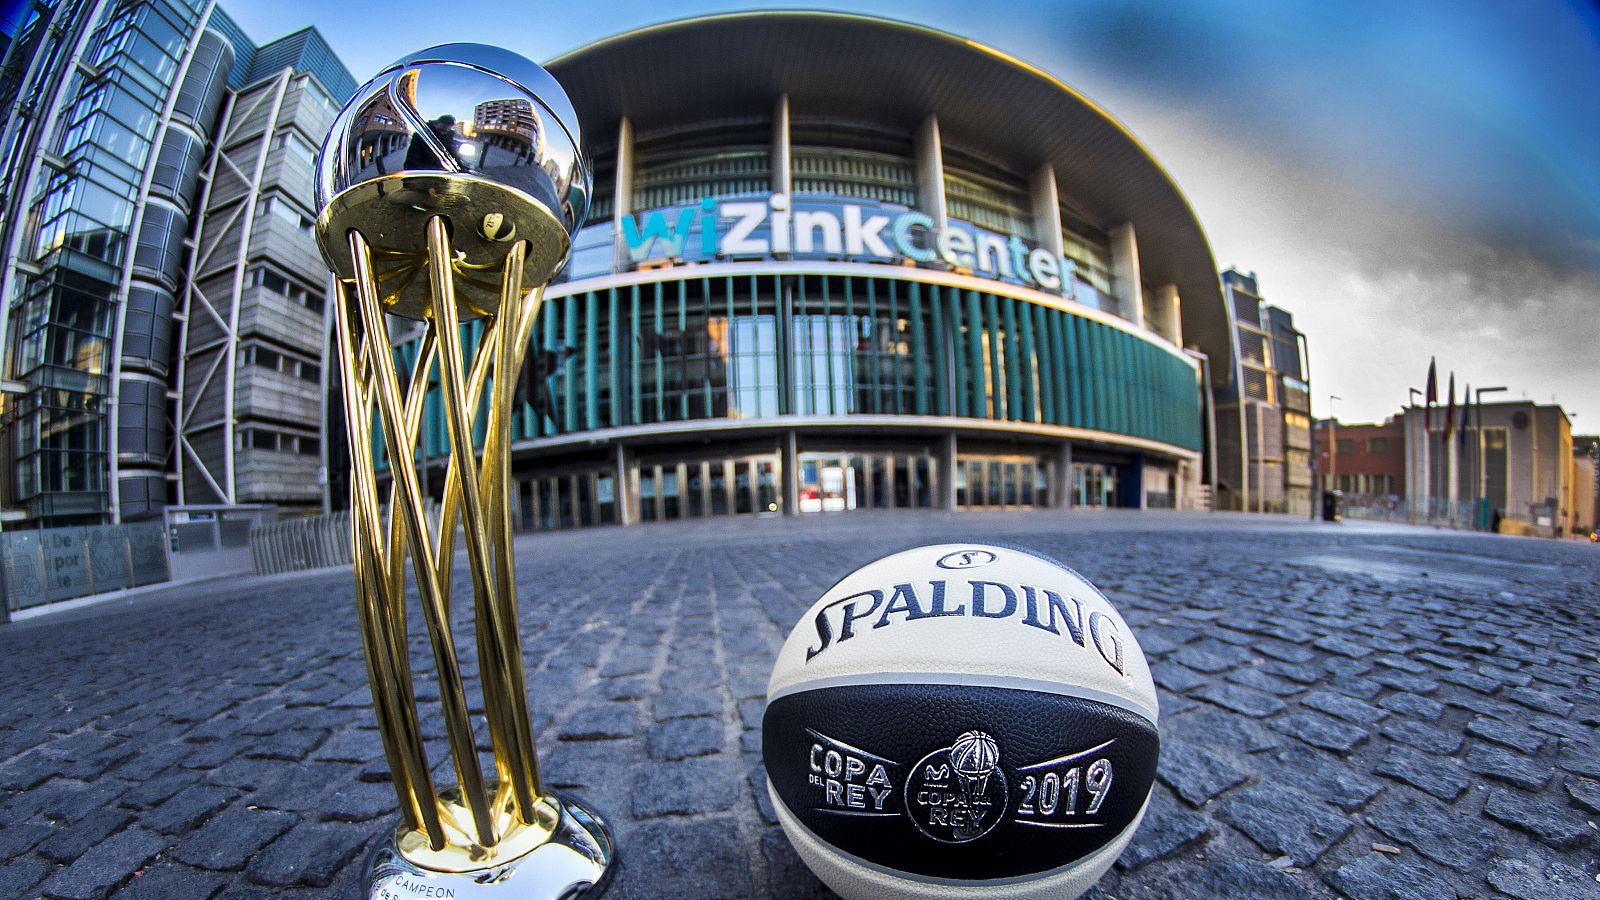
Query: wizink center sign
[(835, 229)]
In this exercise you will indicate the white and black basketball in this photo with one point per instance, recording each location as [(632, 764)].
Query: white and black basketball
[(960, 720)]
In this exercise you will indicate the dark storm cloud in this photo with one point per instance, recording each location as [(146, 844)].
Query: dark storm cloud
[(1482, 117)]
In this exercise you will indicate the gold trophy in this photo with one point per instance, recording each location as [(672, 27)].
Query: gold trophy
[(450, 186)]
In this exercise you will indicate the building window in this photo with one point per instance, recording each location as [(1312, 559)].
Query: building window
[(1346, 446), (296, 147), (277, 361), (264, 277), (275, 205), (1378, 445), (838, 159)]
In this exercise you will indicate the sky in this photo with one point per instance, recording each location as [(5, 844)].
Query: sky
[(1411, 179)]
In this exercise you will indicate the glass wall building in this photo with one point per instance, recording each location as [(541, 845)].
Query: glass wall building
[(837, 263), (108, 163)]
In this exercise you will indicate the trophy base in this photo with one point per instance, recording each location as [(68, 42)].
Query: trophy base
[(574, 862)]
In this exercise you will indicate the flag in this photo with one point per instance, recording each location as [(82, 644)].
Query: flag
[(1450, 411), (1430, 397)]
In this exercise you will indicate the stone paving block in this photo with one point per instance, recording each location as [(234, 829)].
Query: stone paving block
[(188, 808), (69, 842), (686, 704), (1177, 678), (1314, 773), (1525, 881), (1542, 701), (683, 738), (309, 854), (1214, 727), (605, 721), (18, 838), (1165, 830), (1195, 773), (1503, 765), (1472, 680), (1432, 829), (1585, 793), (1402, 682), (1343, 707), (681, 788), (1342, 647), (787, 875), (1560, 828), (678, 859), (1286, 822), (1259, 680), (1238, 878), (1296, 672), (19, 875), (230, 839), (1240, 699), (1376, 876), (1413, 705), (1319, 730), (1505, 733), (1440, 776), (169, 881), (1396, 661), (1580, 758), (1211, 656), (359, 801), (102, 867)]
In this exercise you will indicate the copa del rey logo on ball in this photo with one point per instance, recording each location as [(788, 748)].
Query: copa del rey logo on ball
[(949, 702)]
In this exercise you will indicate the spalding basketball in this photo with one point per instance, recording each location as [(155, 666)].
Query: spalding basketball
[(961, 720)]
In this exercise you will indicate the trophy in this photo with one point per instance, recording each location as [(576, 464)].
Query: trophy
[(450, 186)]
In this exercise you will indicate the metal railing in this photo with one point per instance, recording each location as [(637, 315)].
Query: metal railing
[(313, 542)]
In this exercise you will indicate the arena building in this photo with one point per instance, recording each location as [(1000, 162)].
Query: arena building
[(835, 262)]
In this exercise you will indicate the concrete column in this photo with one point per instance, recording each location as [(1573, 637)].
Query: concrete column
[(782, 165), (1167, 318), (622, 192), (625, 486), (1046, 208), (791, 474), (1125, 273), (947, 473), (930, 172), (1063, 480)]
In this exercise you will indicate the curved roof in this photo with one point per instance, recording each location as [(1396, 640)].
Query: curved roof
[(895, 74)]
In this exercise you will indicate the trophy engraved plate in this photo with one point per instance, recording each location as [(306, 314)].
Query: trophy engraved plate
[(449, 187)]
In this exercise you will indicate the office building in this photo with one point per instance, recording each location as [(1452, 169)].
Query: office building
[(154, 181), (1264, 459)]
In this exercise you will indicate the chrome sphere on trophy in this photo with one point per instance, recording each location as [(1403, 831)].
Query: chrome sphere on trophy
[(449, 187)]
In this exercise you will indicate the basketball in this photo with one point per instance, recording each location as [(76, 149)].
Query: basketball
[(960, 720)]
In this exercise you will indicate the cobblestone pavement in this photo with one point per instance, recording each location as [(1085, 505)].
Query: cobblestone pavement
[(1346, 711)]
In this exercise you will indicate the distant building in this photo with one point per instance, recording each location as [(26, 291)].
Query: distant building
[(155, 173), (1516, 469), (1263, 465), (1365, 461), (1585, 483)]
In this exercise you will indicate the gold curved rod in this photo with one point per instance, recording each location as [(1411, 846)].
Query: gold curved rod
[(387, 664), (452, 697)]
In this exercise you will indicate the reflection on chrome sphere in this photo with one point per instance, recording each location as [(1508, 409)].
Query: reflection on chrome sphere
[(462, 108)]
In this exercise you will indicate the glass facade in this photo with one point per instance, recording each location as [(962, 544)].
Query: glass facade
[(79, 233), (759, 346)]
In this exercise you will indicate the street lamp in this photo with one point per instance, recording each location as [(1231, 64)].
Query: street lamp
[(1477, 456), (1411, 488), (1333, 445)]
